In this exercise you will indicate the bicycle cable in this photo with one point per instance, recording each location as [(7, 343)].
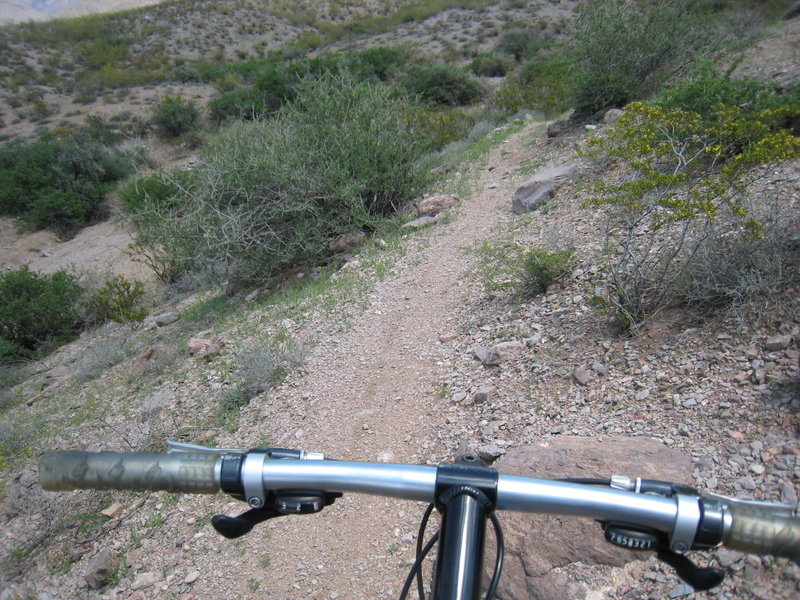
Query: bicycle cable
[(422, 552)]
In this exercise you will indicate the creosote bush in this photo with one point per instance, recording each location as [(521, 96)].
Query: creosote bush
[(684, 197), (118, 299)]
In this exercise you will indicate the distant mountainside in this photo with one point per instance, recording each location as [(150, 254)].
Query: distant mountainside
[(15, 11)]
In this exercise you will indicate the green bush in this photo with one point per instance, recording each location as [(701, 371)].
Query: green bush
[(271, 194), (37, 312), (244, 104), (523, 271), (442, 84), (380, 62), (173, 116), (491, 65), (61, 180), (542, 84), (706, 88), (624, 51), (138, 193), (441, 126), (521, 42), (118, 299)]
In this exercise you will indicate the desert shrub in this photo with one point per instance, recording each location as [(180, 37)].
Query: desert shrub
[(142, 191), (624, 51), (118, 299), (173, 116), (245, 103), (542, 85), (706, 88), (521, 42), (98, 358), (37, 312), (380, 62), (491, 65), (185, 74), (441, 126), (274, 193), (521, 270), (61, 179), (442, 84), (686, 189), (261, 367)]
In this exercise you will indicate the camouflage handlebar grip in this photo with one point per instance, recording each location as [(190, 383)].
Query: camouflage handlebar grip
[(192, 473)]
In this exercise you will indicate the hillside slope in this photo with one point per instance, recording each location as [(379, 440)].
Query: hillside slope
[(389, 372)]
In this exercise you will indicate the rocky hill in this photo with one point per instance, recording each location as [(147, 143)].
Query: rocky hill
[(18, 11)]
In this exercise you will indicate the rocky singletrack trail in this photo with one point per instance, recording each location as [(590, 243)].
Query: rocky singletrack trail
[(369, 393)]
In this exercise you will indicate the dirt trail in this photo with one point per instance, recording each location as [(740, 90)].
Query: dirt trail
[(369, 395)]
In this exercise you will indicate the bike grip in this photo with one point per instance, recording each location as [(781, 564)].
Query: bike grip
[(191, 473), (758, 530)]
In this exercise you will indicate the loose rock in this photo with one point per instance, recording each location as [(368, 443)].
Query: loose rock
[(167, 319), (100, 569)]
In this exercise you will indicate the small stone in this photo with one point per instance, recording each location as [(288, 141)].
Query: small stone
[(583, 375), (145, 580), (490, 451), (56, 376), (191, 577), (436, 204), (100, 569), (113, 511), (346, 241), (199, 347), (420, 223), (727, 558), (386, 457), (778, 342), (788, 493), (757, 469), (458, 397), (599, 368), (482, 394), (682, 589), (447, 337), (167, 319), (612, 114)]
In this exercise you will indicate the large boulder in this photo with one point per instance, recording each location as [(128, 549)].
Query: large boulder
[(538, 546), (542, 186)]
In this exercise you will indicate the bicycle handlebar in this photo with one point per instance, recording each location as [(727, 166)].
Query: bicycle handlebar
[(179, 472), (758, 530), (746, 526)]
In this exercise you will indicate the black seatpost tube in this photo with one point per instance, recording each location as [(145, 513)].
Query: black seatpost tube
[(465, 496), (460, 556)]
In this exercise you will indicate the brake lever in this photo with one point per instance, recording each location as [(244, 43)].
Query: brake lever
[(700, 578)]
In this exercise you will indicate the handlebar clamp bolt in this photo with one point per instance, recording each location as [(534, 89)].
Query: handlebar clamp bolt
[(255, 502), (680, 548)]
